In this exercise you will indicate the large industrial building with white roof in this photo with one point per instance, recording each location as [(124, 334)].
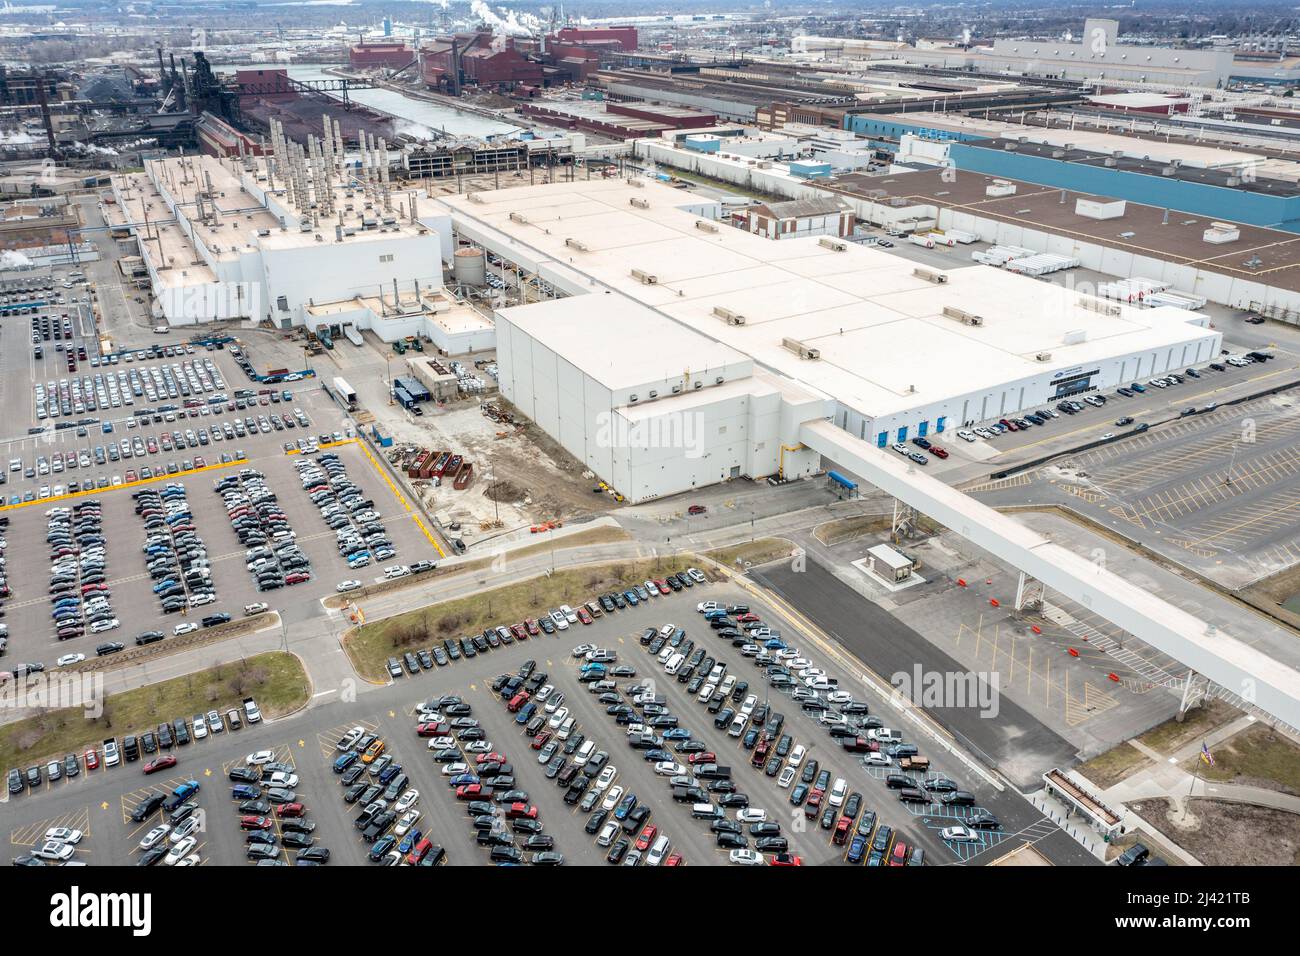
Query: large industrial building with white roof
[(684, 352)]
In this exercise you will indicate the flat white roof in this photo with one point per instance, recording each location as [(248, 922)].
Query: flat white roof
[(886, 345), (619, 343)]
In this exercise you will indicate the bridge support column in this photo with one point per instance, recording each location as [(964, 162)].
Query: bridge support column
[(903, 524), (1195, 690), (1030, 593)]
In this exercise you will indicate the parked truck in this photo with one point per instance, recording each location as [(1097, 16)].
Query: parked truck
[(251, 712)]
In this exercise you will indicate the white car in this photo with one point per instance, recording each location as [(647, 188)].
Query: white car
[(796, 755), (557, 718), (155, 836), (751, 815), (745, 857), (191, 860), (281, 779), (605, 779), (67, 660), (187, 827), (965, 435), (452, 769), (1108, 436), (786, 778), (395, 571), (185, 628), (666, 768), (407, 800), (839, 790), (406, 821), (200, 727), (180, 851), (543, 692), (612, 798), (347, 586), (259, 758), (442, 743), (99, 627), (55, 852), (63, 835), (959, 835), (351, 737), (839, 697), (876, 760), (582, 649), (560, 621)]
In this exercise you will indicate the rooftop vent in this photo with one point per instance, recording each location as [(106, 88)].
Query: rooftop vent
[(1096, 305), (519, 218), (831, 244), (929, 275), (962, 316), (637, 183), (645, 278), (576, 244), (731, 318), (474, 197), (1043, 357), (638, 202), (801, 350), (705, 226)]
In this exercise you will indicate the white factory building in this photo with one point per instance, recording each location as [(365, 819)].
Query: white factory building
[(675, 325), (297, 237)]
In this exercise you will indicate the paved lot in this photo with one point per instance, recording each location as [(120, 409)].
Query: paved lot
[(27, 609), (96, 798)]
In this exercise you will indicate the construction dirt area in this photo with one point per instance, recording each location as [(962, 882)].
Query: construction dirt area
[(521, 476), (1219, 833)]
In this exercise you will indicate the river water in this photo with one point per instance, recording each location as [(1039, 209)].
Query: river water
[(425, 116)]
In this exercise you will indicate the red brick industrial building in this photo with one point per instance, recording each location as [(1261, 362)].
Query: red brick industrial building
[(375, 56), (483, 61)]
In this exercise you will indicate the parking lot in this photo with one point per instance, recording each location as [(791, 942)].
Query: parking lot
[(309, 743), (107, 462)]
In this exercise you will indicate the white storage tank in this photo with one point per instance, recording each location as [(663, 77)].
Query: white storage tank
[(469, 267)]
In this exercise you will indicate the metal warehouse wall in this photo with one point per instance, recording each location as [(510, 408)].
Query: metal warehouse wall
[(1219, 202)]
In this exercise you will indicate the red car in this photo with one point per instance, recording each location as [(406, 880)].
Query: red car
[(297, 578), (92, 759), (469, 791), (841, 834), (490, 758), (540, 740), (696, 510), (674, 859), (519, 631), (899, 855), (521, 811), (583, 616), (290, 810), (432, 729), (706, 756), (254, 823), (131, 475), (938, 452), (663, 587), (419, 851), (531, 624), (784, 859), (647, 837), (160, 763), (747, 617)]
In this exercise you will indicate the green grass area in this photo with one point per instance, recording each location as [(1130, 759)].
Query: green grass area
[(1107, 769), (1256, 757), (760, 551), (370, 645), (1197, 722), (600, 535), (276, 679)]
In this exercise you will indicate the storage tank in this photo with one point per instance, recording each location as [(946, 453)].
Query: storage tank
[(469, 267)]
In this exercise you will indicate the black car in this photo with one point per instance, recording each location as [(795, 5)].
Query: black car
[(147, 807), (315, 854), (16, 781)]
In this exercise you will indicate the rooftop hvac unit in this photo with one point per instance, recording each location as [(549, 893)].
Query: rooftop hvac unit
[(1096, 305), (676, 389), (1110, 161), (705, 226), (637, 183), (929, 275), (519, 218), (638, 202), (962, 316), (1058, 154), (1075, 337), (719, 380), (731, 318), (645, 278), (653, 393), (698, 385), (1168, 170), (576, 244), (264, 232), (633, 399), (801, 350), (764, 164), (1043, 357), (831, 244), (474, 197)]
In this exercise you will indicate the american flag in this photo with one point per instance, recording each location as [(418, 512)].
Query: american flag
[(1206, 756)]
